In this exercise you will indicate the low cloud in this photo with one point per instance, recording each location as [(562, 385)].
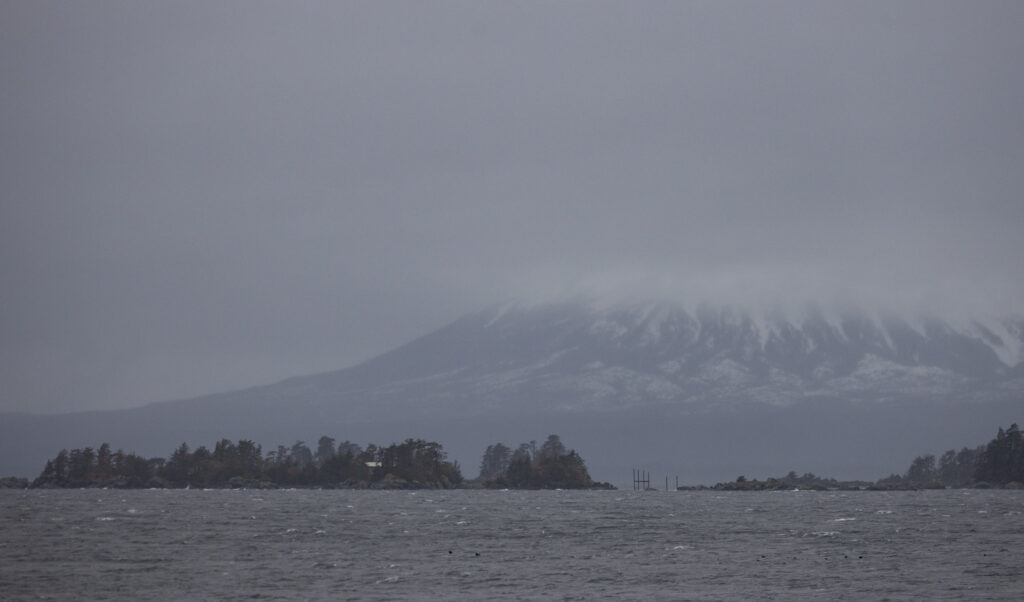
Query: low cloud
[(199, 199)]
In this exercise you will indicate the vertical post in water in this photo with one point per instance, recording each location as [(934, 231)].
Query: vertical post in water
[(642, 480), (666, 482)]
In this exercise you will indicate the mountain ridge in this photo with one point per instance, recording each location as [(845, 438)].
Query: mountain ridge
[(649, 352)]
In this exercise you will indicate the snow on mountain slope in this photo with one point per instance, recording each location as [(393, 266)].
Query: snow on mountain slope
[(657, 378), (583, 355)]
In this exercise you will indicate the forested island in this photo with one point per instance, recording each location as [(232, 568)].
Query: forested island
[(413, 464), (999, 463), (530, 467)]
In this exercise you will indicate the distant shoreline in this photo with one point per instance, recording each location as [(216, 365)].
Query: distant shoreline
[(418, 464)]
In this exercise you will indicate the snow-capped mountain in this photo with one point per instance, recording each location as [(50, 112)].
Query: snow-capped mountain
[(704, 391), (582, 355)]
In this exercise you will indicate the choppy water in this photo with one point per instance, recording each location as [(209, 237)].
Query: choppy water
[(338, 545)]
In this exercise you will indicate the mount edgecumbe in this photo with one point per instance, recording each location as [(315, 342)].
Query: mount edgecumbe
[(691, 391)]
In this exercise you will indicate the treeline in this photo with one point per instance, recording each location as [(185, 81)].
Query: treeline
[(527, 467), (954, 469), (1000, 463), (807, 480), (414, 463), (88, 466)]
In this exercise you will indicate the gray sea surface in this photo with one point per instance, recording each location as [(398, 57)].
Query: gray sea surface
[(510, 545)]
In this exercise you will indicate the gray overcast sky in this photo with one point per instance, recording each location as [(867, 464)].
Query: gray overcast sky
[(198, 196)]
